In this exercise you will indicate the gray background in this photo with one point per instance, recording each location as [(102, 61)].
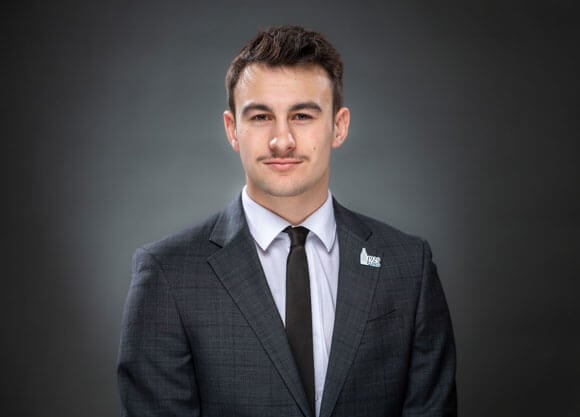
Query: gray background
[(464, 131)]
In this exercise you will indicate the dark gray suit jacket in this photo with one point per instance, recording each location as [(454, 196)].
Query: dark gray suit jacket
[(202, 336)]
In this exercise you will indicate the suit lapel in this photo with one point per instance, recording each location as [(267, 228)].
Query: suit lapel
[(238, 267), (356, 285)]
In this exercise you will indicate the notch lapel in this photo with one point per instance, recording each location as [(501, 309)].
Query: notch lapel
[(356, 286), (238, 267)]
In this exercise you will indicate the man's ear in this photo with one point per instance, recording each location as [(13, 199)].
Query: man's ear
[(341, 123), (230, 127)]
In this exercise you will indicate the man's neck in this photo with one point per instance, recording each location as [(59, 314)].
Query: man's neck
[(294, 209)]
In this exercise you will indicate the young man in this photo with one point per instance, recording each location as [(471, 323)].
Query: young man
[(337, 315)]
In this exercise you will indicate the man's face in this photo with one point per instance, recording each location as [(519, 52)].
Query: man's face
[(284, 129)]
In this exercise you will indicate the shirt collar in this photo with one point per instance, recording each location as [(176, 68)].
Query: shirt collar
[(265, 226)]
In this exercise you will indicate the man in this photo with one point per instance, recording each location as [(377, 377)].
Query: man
[(338, 315)]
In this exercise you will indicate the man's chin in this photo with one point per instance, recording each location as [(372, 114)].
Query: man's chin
[(279, 191), (286, 193)]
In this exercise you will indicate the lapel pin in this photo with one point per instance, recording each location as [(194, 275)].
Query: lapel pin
[(368, 260)]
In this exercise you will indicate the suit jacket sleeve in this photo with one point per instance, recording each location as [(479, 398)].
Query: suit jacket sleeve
[(155, 369), (431, 386)]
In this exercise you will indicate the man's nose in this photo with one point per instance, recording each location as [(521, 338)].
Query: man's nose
[(282, 141)]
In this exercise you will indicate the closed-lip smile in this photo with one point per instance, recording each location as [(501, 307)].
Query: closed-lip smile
[(282, 164)]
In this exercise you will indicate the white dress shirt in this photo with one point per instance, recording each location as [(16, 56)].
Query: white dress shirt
[(273, 246)]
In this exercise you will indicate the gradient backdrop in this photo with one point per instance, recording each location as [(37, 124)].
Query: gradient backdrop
[(465, 120)]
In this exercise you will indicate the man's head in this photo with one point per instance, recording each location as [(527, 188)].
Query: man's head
[(285, 117), (288, 46)]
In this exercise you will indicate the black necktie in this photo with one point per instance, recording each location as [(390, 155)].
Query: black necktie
[(298, 312)]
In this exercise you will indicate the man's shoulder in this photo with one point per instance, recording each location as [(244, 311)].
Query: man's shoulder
[(203, 238), (379, 232), (192, 239)]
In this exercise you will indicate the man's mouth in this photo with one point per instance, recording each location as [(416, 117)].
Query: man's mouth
[(282, 164)]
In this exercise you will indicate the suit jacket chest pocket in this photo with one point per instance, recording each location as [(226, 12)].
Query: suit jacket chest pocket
[(386, 332)]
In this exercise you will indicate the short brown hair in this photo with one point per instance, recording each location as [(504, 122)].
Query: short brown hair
[(288, 46)]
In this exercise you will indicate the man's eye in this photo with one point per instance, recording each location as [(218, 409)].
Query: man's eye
[(260, 117), (302, 116)]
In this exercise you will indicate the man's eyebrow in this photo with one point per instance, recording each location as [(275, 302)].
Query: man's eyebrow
[(308, 105), (255, 106)]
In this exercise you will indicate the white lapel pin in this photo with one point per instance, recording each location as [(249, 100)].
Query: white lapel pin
[(365, 259)]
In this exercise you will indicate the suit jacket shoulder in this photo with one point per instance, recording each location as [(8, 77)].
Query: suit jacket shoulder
[(376, 232), (199, 241)]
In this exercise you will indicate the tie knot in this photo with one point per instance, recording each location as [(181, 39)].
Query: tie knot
[(297, 235)]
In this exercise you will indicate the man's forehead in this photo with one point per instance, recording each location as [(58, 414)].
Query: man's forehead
[(262, 79), (256, 73)]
